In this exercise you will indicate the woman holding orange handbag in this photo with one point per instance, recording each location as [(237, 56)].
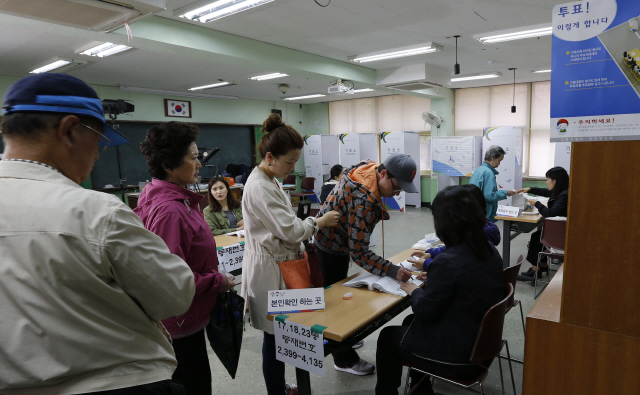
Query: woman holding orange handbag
[(273, 239)]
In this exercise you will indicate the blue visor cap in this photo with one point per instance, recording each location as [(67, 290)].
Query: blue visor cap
[(59, 93)]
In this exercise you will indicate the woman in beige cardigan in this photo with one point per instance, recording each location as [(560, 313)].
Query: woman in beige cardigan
[(271, 227)]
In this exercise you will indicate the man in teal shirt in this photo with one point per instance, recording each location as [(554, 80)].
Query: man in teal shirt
[(484, 177)]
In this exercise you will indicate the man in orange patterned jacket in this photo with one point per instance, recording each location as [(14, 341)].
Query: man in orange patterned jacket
[(358, 199)]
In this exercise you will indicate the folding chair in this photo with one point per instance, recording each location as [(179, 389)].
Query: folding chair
[(488, 345), (307, 189), (552, 239), (510, 276)]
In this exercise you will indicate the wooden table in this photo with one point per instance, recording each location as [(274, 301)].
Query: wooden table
[(226, 240), (349, 321), (507, 236)]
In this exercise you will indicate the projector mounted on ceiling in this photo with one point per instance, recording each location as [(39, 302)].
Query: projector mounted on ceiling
[(341, 87), (96, 15)]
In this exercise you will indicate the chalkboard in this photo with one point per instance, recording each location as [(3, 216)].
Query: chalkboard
[(236, 143)]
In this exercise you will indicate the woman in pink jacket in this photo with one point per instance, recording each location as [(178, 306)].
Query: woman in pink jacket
[(171, 211)]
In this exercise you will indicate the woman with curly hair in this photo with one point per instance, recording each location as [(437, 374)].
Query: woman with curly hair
[(171, 211)]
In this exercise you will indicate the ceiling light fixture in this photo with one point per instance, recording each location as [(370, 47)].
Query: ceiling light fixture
[(304, 97), (456, 67), (268, 76), (219, 9), (513, 106), (363, 90), (514, 34), (542, 71), (479, 76), (59, 65), (397, 53), (216, 85), (153, 91), (105, 49)]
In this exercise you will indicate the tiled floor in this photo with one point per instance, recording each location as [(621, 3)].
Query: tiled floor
[(401, 231)]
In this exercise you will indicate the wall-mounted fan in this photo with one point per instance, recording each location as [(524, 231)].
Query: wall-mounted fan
[(432, 118)]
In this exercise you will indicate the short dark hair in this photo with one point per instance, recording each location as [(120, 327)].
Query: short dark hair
[(166, 145), (232, 202), (458, 219), (561, 177), (279, 138), (478, 195), (30, 124), (335, 171), (381, 167)]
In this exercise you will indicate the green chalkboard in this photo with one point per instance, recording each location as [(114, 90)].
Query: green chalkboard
[(236, 143)]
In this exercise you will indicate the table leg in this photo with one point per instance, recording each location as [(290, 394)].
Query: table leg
[(506, 243), (303, 381)]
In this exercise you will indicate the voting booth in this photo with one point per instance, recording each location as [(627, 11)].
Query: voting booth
[(562, 156), (510, 169), (455, 157), (320, 154), (356, 147), (407, 143)]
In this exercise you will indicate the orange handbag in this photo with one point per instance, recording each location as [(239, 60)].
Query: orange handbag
[(296, 272)]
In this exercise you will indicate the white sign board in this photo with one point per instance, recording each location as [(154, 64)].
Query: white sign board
[(295, 300), (456, 156), (349, 149), (509, 211), (299, 345), (230, 257), (562, 155)]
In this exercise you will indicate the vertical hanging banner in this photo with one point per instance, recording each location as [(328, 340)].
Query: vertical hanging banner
[(595, 78), (393, 143), (313, 160)]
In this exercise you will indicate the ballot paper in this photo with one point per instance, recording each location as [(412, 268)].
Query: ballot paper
[(385, 284)]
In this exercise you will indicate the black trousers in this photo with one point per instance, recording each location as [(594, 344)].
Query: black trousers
[(535, 247), (389, 358), (193, 364), (334, 268), (166, 387)]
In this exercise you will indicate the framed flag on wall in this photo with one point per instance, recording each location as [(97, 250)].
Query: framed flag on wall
[(177, 108)]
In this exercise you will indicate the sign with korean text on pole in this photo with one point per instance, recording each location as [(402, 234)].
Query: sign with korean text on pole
[(299, 345), (295, 300), (595, 78), (230, 257)]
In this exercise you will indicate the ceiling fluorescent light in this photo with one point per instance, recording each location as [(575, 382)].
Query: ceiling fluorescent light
[(105, 49), (542, 71), (268, 76), (127, 88), (514, 34), (397, 53), (479, 76), (59, 65), (304, 97), (221, 8), (216, 85), (363, 90)]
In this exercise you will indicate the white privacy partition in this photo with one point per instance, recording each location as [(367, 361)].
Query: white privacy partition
[(407, 143), (510, 169), (454, 157)]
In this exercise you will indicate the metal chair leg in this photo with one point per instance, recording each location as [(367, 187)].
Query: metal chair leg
[(522, 317), (513, 381), (481, 389), (500, 368)]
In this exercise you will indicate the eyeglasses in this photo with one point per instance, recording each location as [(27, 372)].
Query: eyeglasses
[(395, 189), (104, 142)]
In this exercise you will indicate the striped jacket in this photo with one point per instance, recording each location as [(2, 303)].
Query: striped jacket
[(360, 211)]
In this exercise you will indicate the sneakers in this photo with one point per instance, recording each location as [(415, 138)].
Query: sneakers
[(361, 368), (358, 344), (291, 389)]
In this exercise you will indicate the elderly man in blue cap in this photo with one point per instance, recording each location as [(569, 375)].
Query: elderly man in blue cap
[(83, 284)]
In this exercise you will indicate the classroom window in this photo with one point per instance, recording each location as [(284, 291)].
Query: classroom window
[(542, 151)]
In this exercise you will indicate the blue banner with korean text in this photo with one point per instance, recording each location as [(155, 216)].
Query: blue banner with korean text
[(595, 71)]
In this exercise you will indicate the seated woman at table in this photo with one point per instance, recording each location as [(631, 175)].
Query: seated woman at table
[(558, 193), (463, 282), (224, 212), (422, 260)]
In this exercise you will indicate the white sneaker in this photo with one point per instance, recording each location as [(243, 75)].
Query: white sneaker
[(361, 368), (358, 344)]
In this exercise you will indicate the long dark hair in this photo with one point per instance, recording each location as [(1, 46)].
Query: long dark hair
[(478, 195), (232, 202), (561, 177), (458, 219)]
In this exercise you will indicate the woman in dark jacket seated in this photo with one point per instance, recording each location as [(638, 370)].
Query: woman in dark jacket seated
[(558, 193), (463, 282)]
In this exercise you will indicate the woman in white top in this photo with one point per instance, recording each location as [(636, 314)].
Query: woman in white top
[(272, 227)]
